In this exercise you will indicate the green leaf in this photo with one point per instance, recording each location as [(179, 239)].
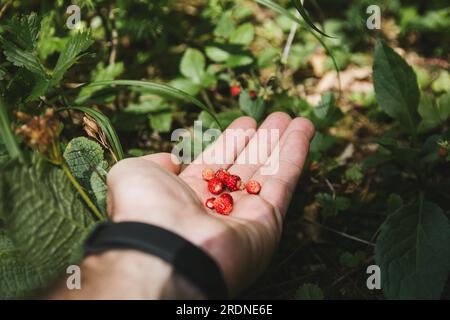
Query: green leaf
[(46, 223), (26, 30), (352, 260), (267, 57), (16, 277), (443, 103), (252, 107), (101, 73), (321, 143), (396, 87), (433, 113), (6, 134), (225, 26), (105, 126), (326, 113), (413, 252), (327, 102), (217, 54), (69, 56), (394, 202), (186, 85), (354, 173), (98, 186), (159, 89), (192, 65), (83, 156), (21, 48), (162, 121), (22, 58), (239, 60), (3, 153), (40, 87), (442, 83), (309, 291), (147, 105), (332, 205), (243, 35), (225, 118)]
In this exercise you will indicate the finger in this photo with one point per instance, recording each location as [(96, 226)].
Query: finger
[(271, 166), (261, 145), (277, 188), (223, 152), (166, 160)]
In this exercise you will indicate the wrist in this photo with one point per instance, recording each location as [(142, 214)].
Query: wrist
[(136, 275), (207, 233), (188, 260), (128, 274), (203, 233)]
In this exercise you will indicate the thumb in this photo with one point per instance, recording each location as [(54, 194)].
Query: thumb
[(167, 160)]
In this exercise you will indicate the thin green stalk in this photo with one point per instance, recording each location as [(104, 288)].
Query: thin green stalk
[(7, 135), (207, 101), (82, 193)]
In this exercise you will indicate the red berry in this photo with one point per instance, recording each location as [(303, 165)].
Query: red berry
[(233, 182), (222, 175), (207, 174), (209, 203), (253, 187), (252, 94), (215, 186), (227, 197), (235, 91), (224, 204), (442, 152)]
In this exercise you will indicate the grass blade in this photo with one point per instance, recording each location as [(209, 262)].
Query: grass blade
[(158, 89), (280, 10), (301, 9), (106, 127), (7, 135)]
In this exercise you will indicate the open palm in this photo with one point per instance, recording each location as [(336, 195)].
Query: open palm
[(151, 189)]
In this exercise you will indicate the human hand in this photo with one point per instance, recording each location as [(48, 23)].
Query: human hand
[(152, 189)]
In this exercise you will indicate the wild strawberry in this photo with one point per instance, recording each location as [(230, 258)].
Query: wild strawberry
[(209, 203), (224, 204), (222, 174), (235, 91), (253, 187), (207, 174), (233, 182), (215, 186), (442, 152), (227, 197)]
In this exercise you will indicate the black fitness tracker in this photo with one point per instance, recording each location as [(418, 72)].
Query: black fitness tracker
[(187, 259)]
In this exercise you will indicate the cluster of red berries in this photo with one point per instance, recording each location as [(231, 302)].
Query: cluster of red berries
[(219, 181), (235, 91)]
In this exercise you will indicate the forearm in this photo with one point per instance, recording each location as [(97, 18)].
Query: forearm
[(127, 275)]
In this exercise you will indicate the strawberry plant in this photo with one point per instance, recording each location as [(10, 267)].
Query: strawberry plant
[(374, 189)]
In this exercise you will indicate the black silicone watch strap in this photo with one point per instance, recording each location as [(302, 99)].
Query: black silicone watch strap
[(187, 259)]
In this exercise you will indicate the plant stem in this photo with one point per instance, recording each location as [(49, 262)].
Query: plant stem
[(82, 193), (343, 234), (289, 41), (7, 135), (207, 101), (5, 7)]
